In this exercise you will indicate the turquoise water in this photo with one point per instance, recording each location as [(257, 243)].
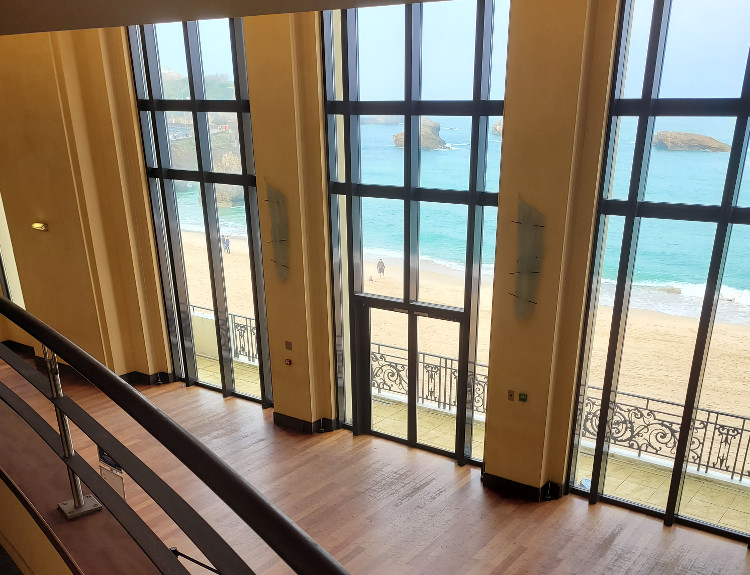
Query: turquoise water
[(672, 257)]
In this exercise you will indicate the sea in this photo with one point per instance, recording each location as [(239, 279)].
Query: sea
[(672, 256)]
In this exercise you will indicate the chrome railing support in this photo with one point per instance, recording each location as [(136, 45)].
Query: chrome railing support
[(80, 504)]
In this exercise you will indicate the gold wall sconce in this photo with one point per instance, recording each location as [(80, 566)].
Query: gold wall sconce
[(39, 226)]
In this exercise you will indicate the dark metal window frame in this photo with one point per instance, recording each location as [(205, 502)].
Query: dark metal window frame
[(647, 108), (152, 107), (479, 109), (4, 289)]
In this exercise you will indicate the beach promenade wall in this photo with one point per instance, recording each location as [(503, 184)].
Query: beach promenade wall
[(71, 157), (557, 89)]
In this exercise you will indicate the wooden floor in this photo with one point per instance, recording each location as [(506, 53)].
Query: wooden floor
[(380, 507)]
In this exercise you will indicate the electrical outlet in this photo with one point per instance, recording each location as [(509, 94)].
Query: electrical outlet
[(511, 393), (522, 397)]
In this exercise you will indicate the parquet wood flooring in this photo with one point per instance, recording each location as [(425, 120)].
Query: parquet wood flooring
[(383, 508)]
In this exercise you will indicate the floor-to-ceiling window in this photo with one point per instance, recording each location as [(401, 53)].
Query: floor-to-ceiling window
[(414, 101), (192, 90), (664, 398)]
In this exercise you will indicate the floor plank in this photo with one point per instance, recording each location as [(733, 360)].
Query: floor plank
[(380, 507)]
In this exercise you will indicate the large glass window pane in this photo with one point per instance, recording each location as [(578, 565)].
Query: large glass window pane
[(717, 482), (383, 247), (500, 18), (181, 141), (437, 375), (389, 374), (494, 149), (669, 280), (172, 61), (225, 142), (382, 150), (622, 160), (487, 275), (442, 253), (448, 32), (688, 163), (197, 276), (744, 197), (445, 152), (636, 48), (381, 37), (706, 49), (593, 379), (239, 287), (216, 56)]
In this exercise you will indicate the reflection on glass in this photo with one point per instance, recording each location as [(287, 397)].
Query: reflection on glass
[(717, 486), (445, 152), (239, 287), (500, 18), (494, 148), (689, 158), (337, 148), (593, 379), (338, 82), (389, 374), (181, 141), (442, 253), (381, 63), (622, 161), (669, 280), (195, 252), (383, 247), (225, 142), (382, 150), (744, 196), (636, 48), (216, 56), (487, 274), (172, 61), (448, 31), (436, 382), (710, 40), (148, 139)]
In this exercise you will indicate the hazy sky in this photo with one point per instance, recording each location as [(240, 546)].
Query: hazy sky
[(707, 47)]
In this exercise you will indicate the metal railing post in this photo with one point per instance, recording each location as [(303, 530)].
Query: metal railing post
[(80, 504)]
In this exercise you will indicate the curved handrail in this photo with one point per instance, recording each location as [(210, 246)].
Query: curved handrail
[(290, 542)]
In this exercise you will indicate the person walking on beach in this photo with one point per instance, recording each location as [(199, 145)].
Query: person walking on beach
[(226, 244), (381, 267)]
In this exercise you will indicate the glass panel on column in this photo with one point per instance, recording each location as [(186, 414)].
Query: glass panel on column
[(669, 281), (636, 47), (590, 401), (437, 373), (389, 375), (494, 149), (195, 251), (716, 488), (238, 280), (625, 128), (442, 253)]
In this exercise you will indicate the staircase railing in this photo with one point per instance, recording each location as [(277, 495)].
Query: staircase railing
[(290, 542)]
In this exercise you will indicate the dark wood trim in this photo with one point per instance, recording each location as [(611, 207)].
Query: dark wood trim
[(140, 378), (41, 523), (321, 425), (517, 490)]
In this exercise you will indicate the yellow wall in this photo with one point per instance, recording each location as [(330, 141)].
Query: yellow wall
[(24, 541), (283, 64), (70, 156), (559, 56)]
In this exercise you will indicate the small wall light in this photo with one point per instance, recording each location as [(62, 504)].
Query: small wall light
[(39, 226)]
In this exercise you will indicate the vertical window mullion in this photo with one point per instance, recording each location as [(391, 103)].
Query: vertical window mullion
[(654, 59)]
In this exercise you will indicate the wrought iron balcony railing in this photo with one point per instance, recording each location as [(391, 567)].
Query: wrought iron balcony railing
[(242, 328)]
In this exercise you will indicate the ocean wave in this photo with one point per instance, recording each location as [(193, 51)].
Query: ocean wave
[(690, 290)]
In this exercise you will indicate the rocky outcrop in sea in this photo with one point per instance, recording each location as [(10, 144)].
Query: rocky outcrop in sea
[(429, 136), (686, 142)]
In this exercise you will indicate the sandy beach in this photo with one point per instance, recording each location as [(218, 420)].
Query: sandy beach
[(656, 358)]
